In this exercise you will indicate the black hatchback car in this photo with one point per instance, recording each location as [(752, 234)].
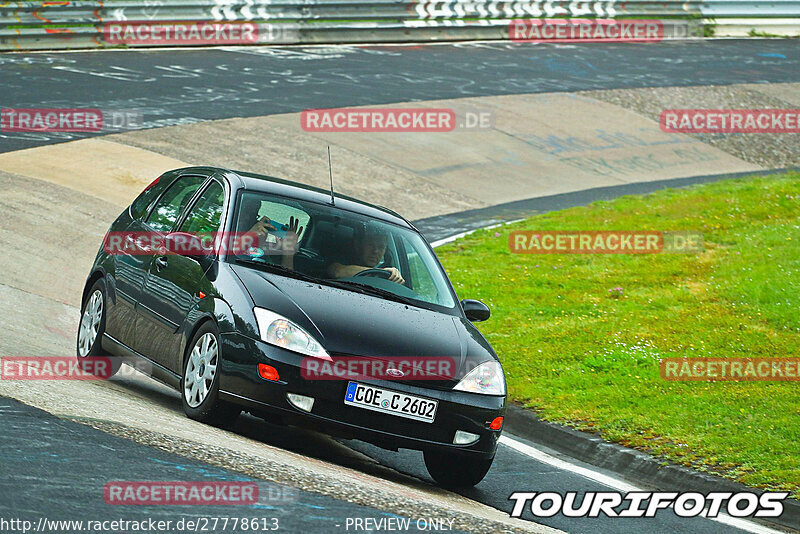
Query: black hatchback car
[(251, 293)]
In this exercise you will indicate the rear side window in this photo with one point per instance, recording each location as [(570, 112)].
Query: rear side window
[(206, 215), (139, 206), (173, 202)]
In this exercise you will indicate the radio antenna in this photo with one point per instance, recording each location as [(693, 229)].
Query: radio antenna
[(330, 174)]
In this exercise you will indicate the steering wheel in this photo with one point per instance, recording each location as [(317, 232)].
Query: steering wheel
[(379, 273)]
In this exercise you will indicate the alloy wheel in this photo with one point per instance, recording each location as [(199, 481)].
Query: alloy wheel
[(90, 323), (201, 368)]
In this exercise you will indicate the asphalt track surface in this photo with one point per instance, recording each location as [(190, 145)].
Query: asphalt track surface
[(63, 472), (180, 86), (514, 471)]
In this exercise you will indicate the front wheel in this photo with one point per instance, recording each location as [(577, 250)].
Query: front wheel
[(200, 383), (455, 470)]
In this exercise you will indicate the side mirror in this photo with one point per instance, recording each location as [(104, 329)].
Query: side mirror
[(475, 310), (192, 246)]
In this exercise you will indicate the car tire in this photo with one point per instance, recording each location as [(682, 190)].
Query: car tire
[(455, 470), (92, 326), (200, 380)]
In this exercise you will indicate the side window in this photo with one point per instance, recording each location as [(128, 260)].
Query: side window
[(206, 214), (172, 203), (143, 201), (282, 213), (421, 279), (253, 206)]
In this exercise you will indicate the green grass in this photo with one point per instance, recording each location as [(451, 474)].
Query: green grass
[(580, 352)]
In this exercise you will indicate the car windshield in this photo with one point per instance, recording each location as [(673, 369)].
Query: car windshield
[(341, 248)]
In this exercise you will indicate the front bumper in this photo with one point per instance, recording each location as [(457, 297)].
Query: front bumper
[(241, 384)]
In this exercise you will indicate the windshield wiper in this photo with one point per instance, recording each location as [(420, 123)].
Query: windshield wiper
[(372, 290), (280, 269)]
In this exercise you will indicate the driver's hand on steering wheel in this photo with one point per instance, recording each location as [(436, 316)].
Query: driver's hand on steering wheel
[(395, 275)]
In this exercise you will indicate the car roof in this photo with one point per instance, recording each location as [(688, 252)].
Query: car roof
[(277, 186)]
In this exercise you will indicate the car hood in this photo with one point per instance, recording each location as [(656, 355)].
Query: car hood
[(351, 323)]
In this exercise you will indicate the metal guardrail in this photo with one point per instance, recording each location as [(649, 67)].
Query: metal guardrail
[(58, 24), (751, 8)]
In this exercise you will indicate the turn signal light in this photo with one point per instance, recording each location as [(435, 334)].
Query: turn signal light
[(496, 424), (267, 372)]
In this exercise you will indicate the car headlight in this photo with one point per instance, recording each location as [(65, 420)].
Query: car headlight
[(279, 331), (487, 378)]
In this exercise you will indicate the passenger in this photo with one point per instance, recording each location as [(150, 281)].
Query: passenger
[(285, 247)]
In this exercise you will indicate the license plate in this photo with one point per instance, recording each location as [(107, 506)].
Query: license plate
[(391, 402)]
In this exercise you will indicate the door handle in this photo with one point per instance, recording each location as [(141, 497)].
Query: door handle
[(161, 263)]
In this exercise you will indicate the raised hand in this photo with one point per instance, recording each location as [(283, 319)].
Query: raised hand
[(288, 245)]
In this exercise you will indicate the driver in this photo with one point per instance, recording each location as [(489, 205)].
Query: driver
[(369, 248)]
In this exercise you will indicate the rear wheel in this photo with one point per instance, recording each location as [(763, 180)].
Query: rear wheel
[(93, 325), (200, 383), (455, 470)]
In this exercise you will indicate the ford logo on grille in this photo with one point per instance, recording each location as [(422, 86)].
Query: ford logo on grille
[(397, 373)]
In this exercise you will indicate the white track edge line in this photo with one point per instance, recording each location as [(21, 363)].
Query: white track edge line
[(452, 238)]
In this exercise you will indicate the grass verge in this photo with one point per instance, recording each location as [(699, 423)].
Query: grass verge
[(580, 336)]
